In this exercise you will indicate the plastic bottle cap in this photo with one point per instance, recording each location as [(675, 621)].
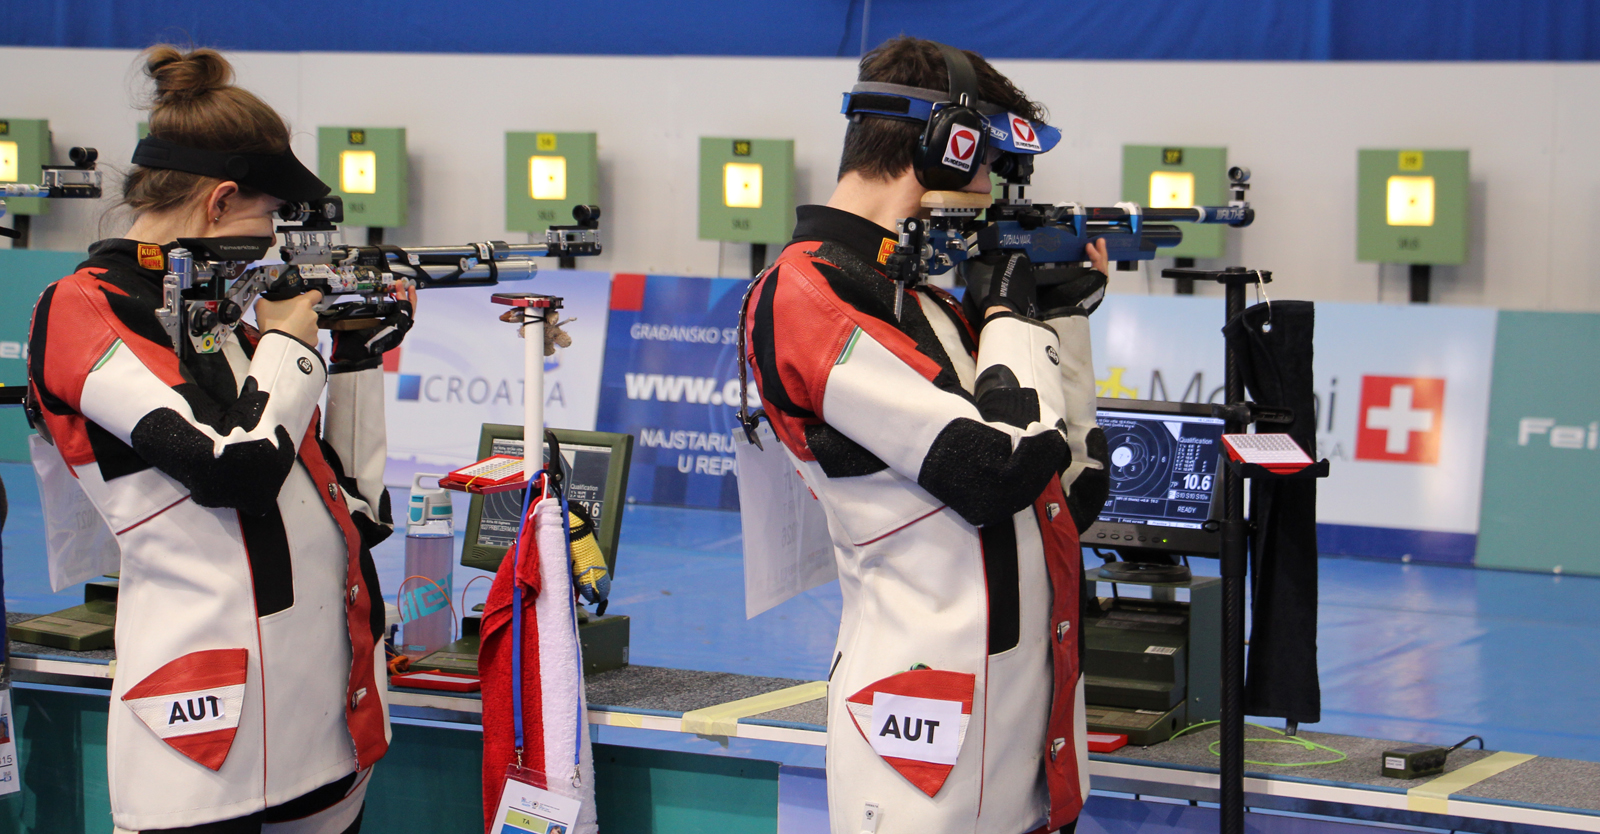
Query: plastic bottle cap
[(429, 511)]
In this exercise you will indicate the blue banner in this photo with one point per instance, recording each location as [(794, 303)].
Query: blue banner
[(671, 379), (1233, 30)]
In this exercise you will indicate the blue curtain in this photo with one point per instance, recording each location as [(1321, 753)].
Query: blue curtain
[(1234, 30)]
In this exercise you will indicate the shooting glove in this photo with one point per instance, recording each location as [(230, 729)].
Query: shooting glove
[(1003, 279), (1082, 289), (359, 350)]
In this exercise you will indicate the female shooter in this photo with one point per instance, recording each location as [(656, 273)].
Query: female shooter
[(250, 686)]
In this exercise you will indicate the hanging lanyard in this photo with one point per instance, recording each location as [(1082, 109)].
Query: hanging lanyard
[(516, 627), (516, 619)]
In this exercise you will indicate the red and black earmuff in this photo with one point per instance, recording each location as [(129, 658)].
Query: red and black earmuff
[(956, 138)]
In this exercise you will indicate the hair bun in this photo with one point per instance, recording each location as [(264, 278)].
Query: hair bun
[(184, 76)]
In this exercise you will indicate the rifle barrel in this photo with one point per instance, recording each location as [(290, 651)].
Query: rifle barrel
[(1231, 215)]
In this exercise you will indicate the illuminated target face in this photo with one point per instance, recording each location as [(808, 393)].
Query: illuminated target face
[(1141, 454), (358, 172), (1171, 189), (1410, 201), (741, 185), (547, 177), (8, 161)]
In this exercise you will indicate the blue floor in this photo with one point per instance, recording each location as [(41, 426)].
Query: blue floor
[(1411, 652)]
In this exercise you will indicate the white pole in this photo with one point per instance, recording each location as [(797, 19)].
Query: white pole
[(532, 390)]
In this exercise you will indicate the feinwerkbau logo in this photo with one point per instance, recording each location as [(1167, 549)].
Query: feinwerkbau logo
[(1560, 437)]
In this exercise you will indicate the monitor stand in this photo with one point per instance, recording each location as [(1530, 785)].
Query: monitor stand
[(1145, 572)]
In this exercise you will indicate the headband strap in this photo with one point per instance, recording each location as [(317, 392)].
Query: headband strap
[(963, 79), (280, 175), (920, 93)]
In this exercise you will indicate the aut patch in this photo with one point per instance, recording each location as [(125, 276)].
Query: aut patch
[(916, 721), (193, 703)]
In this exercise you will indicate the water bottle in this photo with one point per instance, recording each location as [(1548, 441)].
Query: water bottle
[(430, 561)]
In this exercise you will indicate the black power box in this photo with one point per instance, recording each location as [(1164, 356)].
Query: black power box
[(1414, 761)]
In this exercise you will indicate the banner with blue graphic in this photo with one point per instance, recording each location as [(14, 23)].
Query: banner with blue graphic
[(671, 379), (461, 367)]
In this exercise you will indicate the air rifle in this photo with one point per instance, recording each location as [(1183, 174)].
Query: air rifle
[(209, 284), (966, 225)]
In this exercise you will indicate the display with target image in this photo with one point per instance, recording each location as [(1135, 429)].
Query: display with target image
[(594, 466), (1163, 467), (584, 470)]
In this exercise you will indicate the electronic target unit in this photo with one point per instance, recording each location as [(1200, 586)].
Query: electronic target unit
[(746, 190), (1412, 207), (1167, 176), (366, 166), (24, 151), (547, 174)]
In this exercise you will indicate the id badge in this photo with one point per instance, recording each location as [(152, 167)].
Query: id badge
[(10, 779), (528, 807)]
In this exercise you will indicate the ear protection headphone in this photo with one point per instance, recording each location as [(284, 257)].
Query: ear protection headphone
[(956, 137), (958, 130)]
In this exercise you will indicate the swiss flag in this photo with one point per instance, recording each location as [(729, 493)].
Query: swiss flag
[(917, 722), (1401, 420), (193, 703)]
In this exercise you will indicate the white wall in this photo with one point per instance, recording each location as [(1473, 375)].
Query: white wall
[(1531, 129)]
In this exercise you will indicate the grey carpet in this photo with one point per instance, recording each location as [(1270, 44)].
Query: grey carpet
[(812, 713), (1560, 783), (675, 690)]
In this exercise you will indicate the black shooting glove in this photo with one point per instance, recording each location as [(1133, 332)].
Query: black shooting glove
[(359, 350), (999, 279), (1078, 291)]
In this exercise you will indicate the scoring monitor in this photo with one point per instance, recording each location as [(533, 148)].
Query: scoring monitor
[(596, 469), (1165, 461)]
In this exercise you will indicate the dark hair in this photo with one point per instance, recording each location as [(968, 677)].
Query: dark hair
[(195, 104), (881, 148)]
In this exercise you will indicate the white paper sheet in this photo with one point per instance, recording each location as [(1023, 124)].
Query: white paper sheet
[(786, 546), (79, 544)]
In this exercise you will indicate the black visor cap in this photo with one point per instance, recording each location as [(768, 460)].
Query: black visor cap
[(280, 175)]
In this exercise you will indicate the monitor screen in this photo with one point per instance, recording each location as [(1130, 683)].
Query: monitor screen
[(1164, 462), (584, 468), (595, 469)]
